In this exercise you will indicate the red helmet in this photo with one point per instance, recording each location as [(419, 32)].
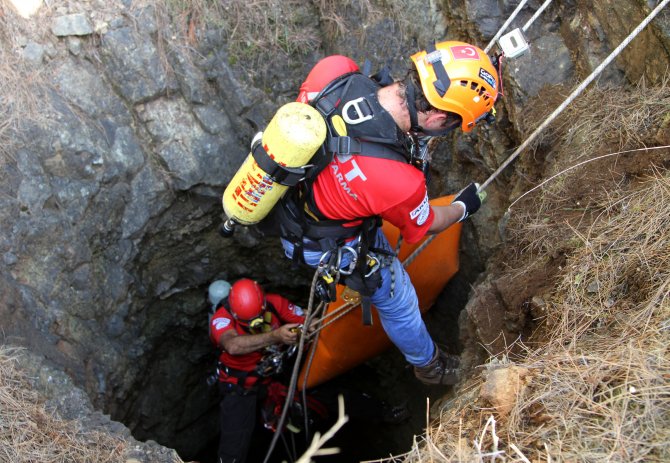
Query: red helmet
[(247, 301)]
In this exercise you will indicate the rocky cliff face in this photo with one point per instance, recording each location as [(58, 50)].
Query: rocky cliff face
[(111, 186)]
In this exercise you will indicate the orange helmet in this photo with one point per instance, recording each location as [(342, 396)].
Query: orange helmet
[(459, 78), (247, 302)]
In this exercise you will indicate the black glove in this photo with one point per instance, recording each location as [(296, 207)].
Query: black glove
[(469, 199)]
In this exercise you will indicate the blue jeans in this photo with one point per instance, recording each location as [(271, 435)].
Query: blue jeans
[(400, 315)]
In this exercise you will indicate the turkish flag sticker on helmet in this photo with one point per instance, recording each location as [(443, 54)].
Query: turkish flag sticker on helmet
[(464, 52)]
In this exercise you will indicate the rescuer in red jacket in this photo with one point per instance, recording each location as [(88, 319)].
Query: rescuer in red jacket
[(374, 168), (252, 330)]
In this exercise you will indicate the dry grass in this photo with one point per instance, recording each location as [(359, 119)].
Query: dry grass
[(624, 259), (258, 33), (611, 117), (598, 382), (598, 389), (30, 433), (20, 84), (601, 389), (333, 20), (336, 23), (284, 26), (601, 121)]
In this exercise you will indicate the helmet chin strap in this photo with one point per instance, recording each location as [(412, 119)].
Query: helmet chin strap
[(410, 93), (437, 133), (415, 128)]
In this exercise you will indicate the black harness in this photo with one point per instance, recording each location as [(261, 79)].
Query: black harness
[(370, 131), (242, 375)]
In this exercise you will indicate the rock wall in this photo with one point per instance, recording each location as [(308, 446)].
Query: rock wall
[(111, 197)]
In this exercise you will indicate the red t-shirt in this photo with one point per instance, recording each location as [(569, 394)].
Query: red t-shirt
[(223, 321), (355, 187), (363, 186)]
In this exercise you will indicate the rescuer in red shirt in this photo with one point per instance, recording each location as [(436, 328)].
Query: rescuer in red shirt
[(374, 168), (252, 330)]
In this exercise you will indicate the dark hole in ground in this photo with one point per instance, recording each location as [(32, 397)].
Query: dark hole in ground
[(385, 403), (381, 421), (182, 412)]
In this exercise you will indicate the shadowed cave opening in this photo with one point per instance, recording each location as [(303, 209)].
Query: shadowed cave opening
[(173, 404), (161, 393)]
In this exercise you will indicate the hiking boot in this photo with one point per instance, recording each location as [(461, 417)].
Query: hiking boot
[(442, 369)]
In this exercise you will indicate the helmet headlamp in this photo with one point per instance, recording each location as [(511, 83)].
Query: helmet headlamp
[(254, 322)]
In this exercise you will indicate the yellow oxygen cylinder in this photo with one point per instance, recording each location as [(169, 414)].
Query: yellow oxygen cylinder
[(291, 138)]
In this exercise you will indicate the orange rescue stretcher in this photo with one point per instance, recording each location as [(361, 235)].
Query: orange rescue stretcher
[(347, 343)]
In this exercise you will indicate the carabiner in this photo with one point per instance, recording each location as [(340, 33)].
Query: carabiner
[(354, 260), (375, 265), (325, 257), (326, 266)]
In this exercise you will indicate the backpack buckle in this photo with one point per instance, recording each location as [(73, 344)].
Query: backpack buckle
[(358, 116), (343, 145)]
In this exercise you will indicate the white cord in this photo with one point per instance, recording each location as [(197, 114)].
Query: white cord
[(581, 164), (576, 92), (504, 26), (537, 13)]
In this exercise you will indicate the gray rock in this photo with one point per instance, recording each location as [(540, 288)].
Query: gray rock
[(81, 277), (50, 50), (134, 65), (34, 188), (126, 157), (528, 74), (487, 17), (212, 119), (79, 82), (21, 40), (115, 326), (74, 45), (192, 82), (72, 24), (117, 200), (593, 287), (146, 19), (149, 195), (34, 52), (69, 402), (33, 192), (9, 258), (191, 155)]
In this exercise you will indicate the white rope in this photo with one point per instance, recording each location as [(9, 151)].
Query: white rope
[(418, 251), (504, 26), (576, 92), (296, 370), (537, 13), (581, 164)]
